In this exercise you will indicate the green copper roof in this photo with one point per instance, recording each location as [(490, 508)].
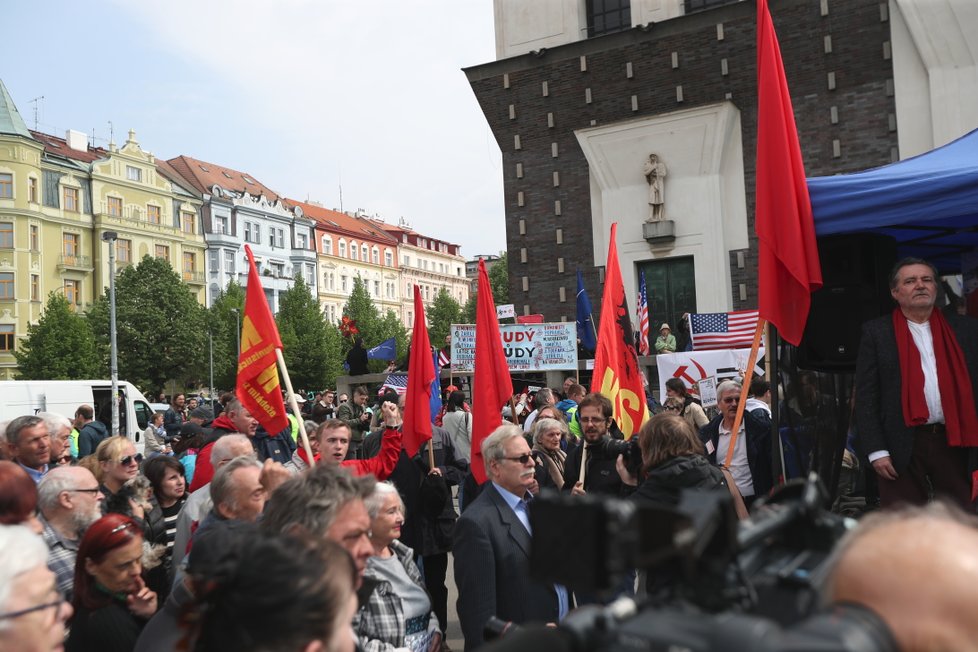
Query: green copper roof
[(10, 120)]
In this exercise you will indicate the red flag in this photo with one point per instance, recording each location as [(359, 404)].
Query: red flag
[(616, 373), (258, 386), (492, 386), (788, 268), (417, 400)]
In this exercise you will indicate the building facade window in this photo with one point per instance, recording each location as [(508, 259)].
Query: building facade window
[(114, 206), (375, 256), (388, 258), (32, 191), (133, 173), (70, 197), (6, 235), (342, 283), (35, 238), (163, 251), (342, 249), (153, 214), (189, 265), (35, 287), (6, 185), (310, 275), (364, 253), (377, 289), (6, 285), (213, 261), (229, 262), (606, 16), (301, 240), (187, 222), (327, 245), (6, 337), (219, 224), (72, 290), (123, 251), (69, 246), (354, 251)]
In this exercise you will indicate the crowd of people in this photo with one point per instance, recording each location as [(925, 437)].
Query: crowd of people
[(227, 537)]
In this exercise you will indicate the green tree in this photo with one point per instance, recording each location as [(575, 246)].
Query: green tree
[(361, 309), (442, 313), (302, 327), (60, 346), (498, 281), (223, 323), (391, 326), (161, 329)]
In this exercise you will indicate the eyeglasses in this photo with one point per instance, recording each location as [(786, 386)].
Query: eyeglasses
[(522, 459), (670, 407), (593, 419), (129, 459), (41, 607), (85, 491)]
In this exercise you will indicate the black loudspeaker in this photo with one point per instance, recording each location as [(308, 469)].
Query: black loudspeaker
[(855, 289)]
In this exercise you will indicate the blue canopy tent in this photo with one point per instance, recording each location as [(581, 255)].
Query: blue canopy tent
[(928, 203)]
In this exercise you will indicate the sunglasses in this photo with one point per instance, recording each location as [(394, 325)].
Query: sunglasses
[(85, 491), (670, 407), (522, 459), (129, 459)]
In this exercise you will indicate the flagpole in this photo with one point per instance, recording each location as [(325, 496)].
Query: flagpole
[(774, 360), (745, 390), (295, 406)]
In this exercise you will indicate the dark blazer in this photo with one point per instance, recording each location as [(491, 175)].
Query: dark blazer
[(757, 428), (492, 569), (879, 410)]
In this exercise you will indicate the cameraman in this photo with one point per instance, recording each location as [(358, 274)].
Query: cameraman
[(673, 459), (600, 476)]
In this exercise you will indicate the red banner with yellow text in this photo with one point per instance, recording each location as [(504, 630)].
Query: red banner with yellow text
[(258, 386), (616, 372)]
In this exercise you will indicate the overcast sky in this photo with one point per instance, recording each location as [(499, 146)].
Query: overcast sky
[(305, 95)]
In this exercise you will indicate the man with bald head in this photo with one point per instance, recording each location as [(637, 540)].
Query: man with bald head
[(69, 500), (915, 568)]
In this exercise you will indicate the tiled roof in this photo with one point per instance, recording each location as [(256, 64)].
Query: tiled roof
[(353, 226), (397, 231), (10, 120), (204, 176), (59, 147), (169, 172)]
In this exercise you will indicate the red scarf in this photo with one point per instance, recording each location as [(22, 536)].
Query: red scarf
[(953, 380), (305, 458)]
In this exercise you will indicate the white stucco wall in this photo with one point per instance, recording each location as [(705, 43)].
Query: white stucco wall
[(935, 51), (704, 193)]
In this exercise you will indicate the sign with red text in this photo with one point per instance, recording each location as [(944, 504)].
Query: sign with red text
[(695, 367), (527, 347)]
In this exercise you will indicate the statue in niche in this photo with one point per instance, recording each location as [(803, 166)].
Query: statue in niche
[(655, 172)]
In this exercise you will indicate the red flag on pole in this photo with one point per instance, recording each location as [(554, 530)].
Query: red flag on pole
[(417, 400), (616, 373), (258, 386), (492, 386), (788, 268)]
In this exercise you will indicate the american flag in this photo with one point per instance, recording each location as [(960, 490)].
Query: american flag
[(443, 359), (397, 382), (723, 330), (643, 316)]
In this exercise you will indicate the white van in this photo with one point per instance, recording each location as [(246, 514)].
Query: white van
[(20, 397)]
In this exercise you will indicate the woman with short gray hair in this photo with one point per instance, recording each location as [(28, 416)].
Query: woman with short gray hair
[(397, 612), (546, 452)]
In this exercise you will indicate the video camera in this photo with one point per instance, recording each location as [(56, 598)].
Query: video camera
[(713, 583)]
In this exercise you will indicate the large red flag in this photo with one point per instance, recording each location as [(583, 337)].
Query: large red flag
[(788, 269), (616, 372), (258, 386), (417, 401), (492, 386)]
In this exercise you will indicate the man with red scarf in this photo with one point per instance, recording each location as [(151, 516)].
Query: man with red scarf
[(915, 399)]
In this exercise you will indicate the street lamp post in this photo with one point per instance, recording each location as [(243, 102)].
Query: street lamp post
[(110, 237), (237, 333)]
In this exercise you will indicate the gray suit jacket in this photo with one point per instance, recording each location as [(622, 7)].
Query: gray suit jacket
[(879, 410), (492, 569)]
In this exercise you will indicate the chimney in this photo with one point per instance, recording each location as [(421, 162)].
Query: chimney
[(76, 140)]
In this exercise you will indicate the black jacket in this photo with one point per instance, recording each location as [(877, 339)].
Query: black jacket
[(600, 476), (757, 428), (664, 482)]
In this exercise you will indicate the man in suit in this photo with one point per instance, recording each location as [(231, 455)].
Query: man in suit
[(915, 395), (492, 545)]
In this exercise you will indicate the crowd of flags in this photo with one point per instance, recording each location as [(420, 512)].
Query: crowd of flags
[(788, 272)]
